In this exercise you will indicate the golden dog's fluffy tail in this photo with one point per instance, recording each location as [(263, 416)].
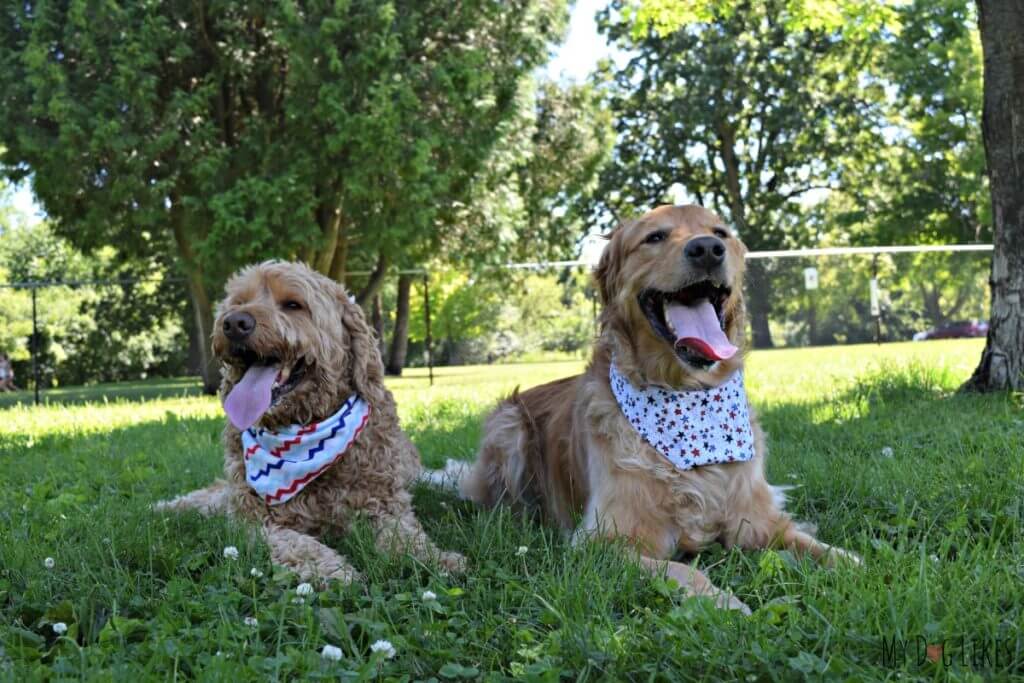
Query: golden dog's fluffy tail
[(509, 467)]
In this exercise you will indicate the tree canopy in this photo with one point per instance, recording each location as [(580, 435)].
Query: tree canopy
[(744, 105), (229, 132)]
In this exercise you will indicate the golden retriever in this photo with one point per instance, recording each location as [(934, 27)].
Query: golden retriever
[(673, 320), (295, 352)]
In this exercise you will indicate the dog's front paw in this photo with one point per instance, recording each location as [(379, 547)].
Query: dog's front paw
[(451, 563), (837, 556)]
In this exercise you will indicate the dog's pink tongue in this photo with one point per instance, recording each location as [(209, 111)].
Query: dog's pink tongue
[(250, 398), (698, 328)]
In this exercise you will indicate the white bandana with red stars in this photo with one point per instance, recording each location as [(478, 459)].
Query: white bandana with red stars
[(690, 428)]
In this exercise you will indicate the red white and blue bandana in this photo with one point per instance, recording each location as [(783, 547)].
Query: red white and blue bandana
[(280, 463), (689, 428)]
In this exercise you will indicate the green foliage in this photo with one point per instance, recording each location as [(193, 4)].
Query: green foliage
[(856, 18), (928, 183), (259, 130), (484, 319), (918, 292), (939, 524), (88, 332), (527, 203), (746, 107), (742, 111)]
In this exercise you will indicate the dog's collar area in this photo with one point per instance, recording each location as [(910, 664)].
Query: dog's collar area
[(689, 428), (280, 463)]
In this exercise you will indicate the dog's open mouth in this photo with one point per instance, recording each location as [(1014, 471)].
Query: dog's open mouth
[(264, 382), (692, 321)]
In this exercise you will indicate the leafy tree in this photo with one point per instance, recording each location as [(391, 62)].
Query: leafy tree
[(227, 132), (743, 104), (526, 203), (1002, 25), (92, 332)]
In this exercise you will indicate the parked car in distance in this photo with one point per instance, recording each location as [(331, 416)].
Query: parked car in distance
[(955, 330)]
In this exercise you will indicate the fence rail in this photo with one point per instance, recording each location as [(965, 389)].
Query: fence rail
[(798, 321)]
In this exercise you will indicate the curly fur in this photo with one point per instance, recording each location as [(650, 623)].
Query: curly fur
[(371, 479), (565, 449)]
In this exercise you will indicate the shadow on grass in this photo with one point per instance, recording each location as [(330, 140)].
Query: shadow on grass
[(898, 456), (128, 391)]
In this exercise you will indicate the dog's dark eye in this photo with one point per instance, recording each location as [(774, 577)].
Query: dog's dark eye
[(721, 232), (291, 305), (655, 237)]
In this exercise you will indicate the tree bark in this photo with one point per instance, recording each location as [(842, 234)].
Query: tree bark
[(332, 228), (759, 298), (400, 337), (1002, 25), (376, 281), (377, 318), (209, 368), (758, 287)]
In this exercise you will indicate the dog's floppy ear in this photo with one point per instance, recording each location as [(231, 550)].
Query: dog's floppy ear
[(364, 363), (607, 271)]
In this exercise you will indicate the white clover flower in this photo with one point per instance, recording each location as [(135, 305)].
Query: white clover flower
[(49, 563), (521, 551), (60, 628), (304, 589), (385, 647), (231, 552), (330, 652), (255, 573), (428, 596), (252, 621), (887, 451)]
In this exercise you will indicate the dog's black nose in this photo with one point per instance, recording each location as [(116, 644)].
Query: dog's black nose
[(705, 252), (238, 326)]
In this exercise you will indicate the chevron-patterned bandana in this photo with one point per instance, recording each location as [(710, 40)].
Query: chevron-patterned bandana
[(280, 463)]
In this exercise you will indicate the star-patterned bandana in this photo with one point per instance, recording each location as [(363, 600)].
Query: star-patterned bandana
[(689, 428), (279, 464)]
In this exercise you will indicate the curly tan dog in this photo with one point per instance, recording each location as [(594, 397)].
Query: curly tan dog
[(634, 451), (313, 438)]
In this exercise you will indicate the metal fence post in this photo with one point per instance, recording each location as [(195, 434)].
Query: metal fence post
[(35, 343), (430, 339), (878, 315)]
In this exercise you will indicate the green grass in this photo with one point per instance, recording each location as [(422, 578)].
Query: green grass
[(150, 596), (143, 390)]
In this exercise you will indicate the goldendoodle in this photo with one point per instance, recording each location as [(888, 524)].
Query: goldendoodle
[(312, 439)]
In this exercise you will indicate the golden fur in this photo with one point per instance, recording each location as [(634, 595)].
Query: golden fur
[(566, 450), (371, 478)]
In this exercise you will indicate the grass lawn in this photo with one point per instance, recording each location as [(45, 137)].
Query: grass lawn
[(925, 484)]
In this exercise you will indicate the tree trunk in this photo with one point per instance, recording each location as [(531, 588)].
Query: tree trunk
[(209, 368), (375, 283), (400, 337), (377, 318), (759, 297), (1002, 25), (758, 287), (325, 258)]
